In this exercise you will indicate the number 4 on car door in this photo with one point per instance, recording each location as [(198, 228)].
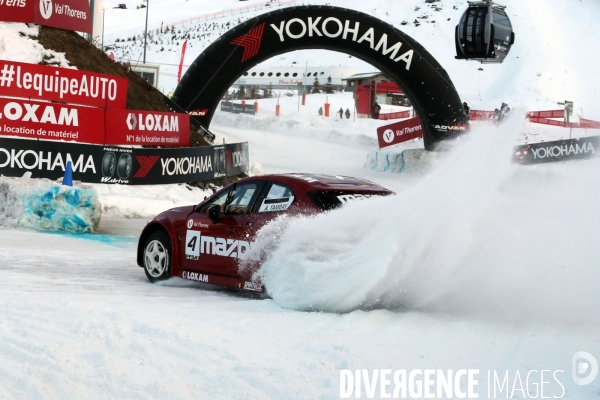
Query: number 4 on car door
[(192, 245)]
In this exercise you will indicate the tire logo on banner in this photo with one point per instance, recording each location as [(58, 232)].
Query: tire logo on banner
[(109, 164), (250, 42), (388, 136), (146, 164), (122, 167), (46, 8)]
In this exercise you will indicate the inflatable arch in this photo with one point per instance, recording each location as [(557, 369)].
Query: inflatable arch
[(402, 59)]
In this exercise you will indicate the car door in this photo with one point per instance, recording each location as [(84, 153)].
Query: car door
[(275, 199), (214, 248)]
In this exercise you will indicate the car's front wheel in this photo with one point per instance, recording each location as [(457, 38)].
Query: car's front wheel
[(157, 257)]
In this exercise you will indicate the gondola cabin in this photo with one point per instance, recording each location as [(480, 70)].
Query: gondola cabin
[(484, 33)]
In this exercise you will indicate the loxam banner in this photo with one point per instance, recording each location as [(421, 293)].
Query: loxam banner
[(51, 121), (399, 132), (72, 15), (560, 150), (130, 127), (120, 165), (64, 85)]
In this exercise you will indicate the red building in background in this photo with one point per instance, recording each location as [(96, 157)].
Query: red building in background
[(371, 88)]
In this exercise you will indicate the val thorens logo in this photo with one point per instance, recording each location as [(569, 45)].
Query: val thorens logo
[(250, 41), (146, 164), (46, 8)]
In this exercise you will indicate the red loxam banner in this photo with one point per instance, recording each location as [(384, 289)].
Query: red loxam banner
[(51, 121), (399, 132), (73, 15), (130, 127), (62, 84)]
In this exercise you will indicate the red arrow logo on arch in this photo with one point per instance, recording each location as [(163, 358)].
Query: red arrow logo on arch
[(250, 42), (146, 164)]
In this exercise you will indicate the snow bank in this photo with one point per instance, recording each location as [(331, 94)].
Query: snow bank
[(398, 161), (146, 201), (42, 204), (478, 235), (17, 43)]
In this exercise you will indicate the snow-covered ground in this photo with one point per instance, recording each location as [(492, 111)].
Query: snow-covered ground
[(477, 264)]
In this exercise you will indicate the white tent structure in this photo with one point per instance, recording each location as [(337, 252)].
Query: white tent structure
[(289, 77)]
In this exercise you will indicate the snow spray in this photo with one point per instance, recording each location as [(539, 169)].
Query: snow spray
[(478, 235)]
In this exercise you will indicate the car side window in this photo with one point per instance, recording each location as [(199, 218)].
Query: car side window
[(243, 198), (218, 201), (279, 198)]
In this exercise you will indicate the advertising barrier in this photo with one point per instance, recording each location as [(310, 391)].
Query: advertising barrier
[(130, 127), (121, 165), (250, 109), (546, 114), (41, 120), (399, 132), (17, 10), (73, 15), (560, 150), (396, 115), (237, 108), (62, 84), (226, 106), (588, 123), (481, 115)]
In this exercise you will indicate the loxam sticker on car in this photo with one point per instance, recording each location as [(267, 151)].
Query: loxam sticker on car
[(195, 276), (253, 286)]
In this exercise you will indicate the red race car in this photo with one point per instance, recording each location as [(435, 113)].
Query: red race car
[(204, 242)]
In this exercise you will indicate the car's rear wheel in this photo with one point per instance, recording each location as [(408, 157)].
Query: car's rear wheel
[(157, 257)]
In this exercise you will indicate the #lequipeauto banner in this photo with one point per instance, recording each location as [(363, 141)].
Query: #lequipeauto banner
[(120, 165), (559, 150), (62, 84), (51, 121), (131, 127), (399, 132), (72, 15)]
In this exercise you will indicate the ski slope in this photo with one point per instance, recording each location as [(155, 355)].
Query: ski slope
[(551, 60), (475, 264)]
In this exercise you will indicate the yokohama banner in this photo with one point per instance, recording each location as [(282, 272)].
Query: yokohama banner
[(73, 15), (120, 165), (560, 150), (36, 119), (62, 84), (399, 132), (130, 127)]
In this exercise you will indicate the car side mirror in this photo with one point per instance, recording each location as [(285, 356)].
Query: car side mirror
[(214, 213)]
